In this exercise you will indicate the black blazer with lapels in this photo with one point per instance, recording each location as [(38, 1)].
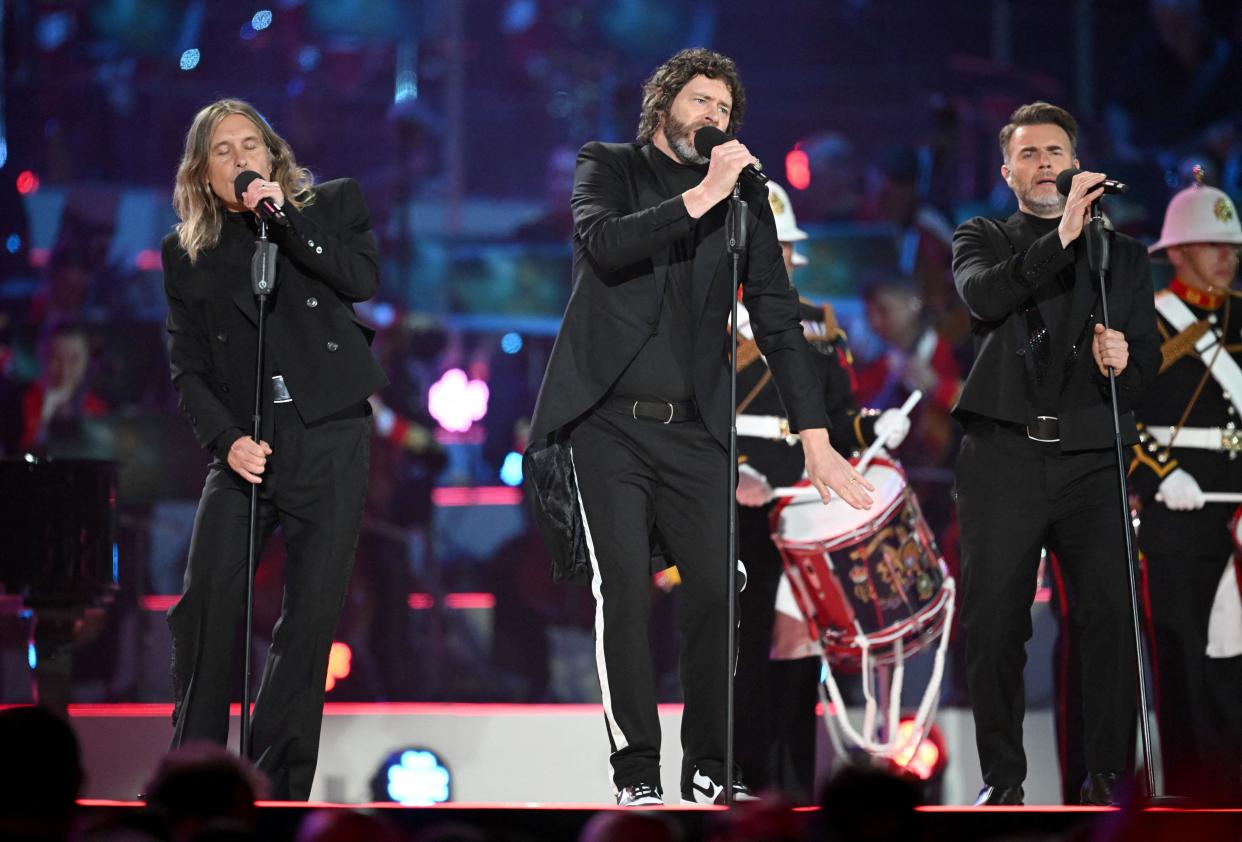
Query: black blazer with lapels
[(327, 260), (624, 228), (999, 267)]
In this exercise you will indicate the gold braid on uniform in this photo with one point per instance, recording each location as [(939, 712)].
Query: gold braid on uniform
[(1146, 452), (858, 433), (1182, 344), (1199, 328), (754, 392), (747, 352)]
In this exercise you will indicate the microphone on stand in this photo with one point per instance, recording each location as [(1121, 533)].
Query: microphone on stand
[(1065, 179), (709, 137), (1098, 252), (266, 207)]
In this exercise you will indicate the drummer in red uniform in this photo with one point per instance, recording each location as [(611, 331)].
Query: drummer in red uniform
[(1190, 445)]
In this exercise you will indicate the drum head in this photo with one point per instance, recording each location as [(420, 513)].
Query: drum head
[(808, 521)]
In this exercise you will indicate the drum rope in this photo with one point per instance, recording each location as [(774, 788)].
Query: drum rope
[(836, 713)]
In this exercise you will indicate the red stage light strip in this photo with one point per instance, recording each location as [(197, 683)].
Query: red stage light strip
[(162, 709), (159, 602), (423, 601), (484, 495), (417, 601)]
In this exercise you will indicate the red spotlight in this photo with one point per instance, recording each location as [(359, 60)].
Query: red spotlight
[(924, 760), (797, 169), (339, 657), (148, 260), (27, 182)]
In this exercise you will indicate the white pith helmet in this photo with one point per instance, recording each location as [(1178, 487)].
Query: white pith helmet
[(787, 230), (1199, 214)]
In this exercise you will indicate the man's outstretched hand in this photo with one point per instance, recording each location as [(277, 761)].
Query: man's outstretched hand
[(830, 472)]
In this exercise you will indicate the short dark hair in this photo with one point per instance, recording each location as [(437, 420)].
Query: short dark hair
[(1039, 114), (666, 82)]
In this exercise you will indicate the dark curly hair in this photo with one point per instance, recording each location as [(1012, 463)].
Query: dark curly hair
[(666, 82)]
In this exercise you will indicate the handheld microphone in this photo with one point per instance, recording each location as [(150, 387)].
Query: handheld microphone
[(709, 137), (1066, 177), (266, 207)]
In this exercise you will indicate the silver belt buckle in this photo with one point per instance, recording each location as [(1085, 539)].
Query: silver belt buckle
[(1043, 441), (671, 412)]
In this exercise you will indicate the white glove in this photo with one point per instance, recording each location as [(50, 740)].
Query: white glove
[(1180, 492), (892, 427), (752, 486)]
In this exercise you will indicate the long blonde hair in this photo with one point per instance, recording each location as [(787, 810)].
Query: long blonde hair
[(198, 208)]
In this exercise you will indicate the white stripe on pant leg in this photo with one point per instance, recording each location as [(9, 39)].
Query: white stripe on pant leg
[(601, 666)]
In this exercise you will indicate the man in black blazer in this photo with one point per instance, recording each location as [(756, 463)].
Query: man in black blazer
[(311, 463), (1037, 466), (631, 428)]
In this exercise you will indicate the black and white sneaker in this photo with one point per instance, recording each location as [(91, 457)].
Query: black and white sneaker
[(703, 789), (640, 795)]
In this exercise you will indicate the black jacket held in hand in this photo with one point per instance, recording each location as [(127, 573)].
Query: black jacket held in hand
[(327, 260), (998, 268), (624, 230)]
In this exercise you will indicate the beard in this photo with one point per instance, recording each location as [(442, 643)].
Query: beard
[(1041, 205), (680, 139)]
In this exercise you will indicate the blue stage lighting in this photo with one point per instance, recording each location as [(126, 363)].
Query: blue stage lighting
[(4, 150), (53, 30), (416, 777), (511, 470), (261, 20), (247, 32), (308, 57), (511, 343), (295, 87), (519, 16), (13, 243), (189, 59), (32, 657)]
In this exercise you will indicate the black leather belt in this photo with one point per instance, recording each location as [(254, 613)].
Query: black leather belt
[(666, 412), (1044, 428)]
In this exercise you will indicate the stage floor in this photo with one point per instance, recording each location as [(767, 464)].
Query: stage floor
[(495, 754)]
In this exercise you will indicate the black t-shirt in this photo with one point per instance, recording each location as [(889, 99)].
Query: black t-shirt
[(1053, 300), (662, 368)]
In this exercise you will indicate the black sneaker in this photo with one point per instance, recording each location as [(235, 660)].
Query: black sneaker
[(703, 789), (640, 795)]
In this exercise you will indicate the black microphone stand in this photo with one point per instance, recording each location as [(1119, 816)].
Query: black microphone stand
[(263, 283), (735, 230), (1098, 259)]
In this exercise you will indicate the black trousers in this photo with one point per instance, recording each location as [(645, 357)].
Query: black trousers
[(636, 476), (1014, 497), (774, 725), (314, 489), (1198, 699)]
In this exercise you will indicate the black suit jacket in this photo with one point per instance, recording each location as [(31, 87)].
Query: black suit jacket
[(624, 227), (1000, 266), (327, 260)]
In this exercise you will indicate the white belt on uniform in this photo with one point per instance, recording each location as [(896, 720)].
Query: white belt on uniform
[(765, 427), (1204, 438)]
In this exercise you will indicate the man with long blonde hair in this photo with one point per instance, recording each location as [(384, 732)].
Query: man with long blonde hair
[(310, 464)]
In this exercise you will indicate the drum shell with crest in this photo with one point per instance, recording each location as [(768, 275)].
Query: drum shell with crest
[(864, 578)]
